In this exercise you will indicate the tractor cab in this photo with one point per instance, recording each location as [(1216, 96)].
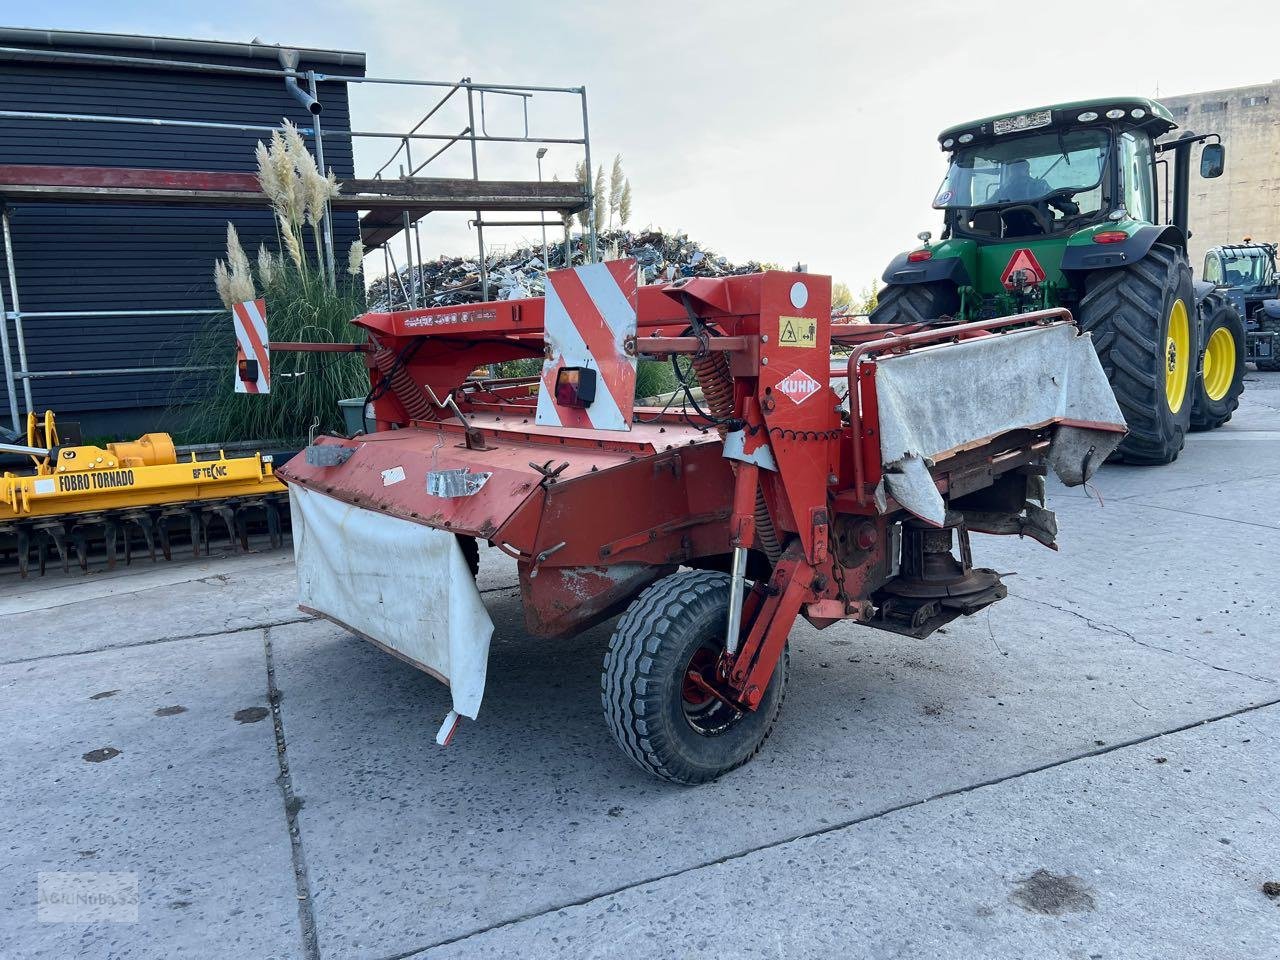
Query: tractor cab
[(1248, 267), (1058, 207), (1245, 274), (1052, 171)]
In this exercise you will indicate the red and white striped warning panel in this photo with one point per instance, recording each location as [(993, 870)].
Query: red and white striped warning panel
[(253, 351), (589, 378)]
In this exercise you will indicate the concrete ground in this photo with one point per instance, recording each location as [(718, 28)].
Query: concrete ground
[(1086, 770)]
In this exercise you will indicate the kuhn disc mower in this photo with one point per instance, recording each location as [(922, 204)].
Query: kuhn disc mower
[(833, 486)]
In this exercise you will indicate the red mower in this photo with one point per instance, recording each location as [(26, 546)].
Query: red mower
[(803, 469)]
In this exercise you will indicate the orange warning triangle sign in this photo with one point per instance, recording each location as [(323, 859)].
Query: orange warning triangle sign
[(1023, 259)]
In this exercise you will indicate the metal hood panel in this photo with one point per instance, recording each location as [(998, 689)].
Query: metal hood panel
[(388, 472)]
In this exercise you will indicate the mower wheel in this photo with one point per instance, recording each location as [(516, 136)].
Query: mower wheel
[(667, 724), (1142, 321), (916, 303), (1222, 379)]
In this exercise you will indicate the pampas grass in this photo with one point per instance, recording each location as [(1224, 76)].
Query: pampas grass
[(305, 387), (303, 304), (299, 193)]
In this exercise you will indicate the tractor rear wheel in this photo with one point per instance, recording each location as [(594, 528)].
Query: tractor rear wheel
[(1222, 380), (670, 726), (1141, 319), (916, 303)]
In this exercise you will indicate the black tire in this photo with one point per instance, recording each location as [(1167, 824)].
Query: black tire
[(1222, 365), (470, 550), (916, 303), (1128, 312), (1267, 366), (643, 684)]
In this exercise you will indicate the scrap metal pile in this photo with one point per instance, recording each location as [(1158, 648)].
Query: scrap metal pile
[(513, 274)]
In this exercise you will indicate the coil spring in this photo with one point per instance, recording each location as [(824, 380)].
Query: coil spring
[(409, 394), (765, 533), (712, 371)]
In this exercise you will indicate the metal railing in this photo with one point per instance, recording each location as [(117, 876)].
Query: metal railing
[(475, 96), (12, 312)]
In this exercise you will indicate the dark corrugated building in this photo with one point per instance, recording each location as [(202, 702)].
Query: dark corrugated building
[(109, 257)]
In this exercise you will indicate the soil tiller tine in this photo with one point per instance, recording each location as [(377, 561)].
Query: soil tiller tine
[(57, 532), (24, 551), (273, 522), (162, 528), (242, 527), (110, 530), (228, 514), (146, 522), (195, 524), (128, 539), (82, 547)]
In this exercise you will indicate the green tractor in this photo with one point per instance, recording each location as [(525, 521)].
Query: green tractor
[(1245, 273), (1058, 207)]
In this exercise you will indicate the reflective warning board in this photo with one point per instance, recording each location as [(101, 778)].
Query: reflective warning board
[(590, 321), (250, 321), (1023, 259)]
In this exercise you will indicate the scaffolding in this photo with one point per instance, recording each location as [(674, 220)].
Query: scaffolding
[(390, 205)]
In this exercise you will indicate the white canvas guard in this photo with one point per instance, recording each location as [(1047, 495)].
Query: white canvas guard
[(939, 399), (404, 586)]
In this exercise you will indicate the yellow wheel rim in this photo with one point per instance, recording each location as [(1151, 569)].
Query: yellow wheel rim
[(1177, 356), (1219, 363)]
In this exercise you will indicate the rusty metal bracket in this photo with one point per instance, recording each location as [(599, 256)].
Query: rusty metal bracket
[(549, 473), (474, 438), (542, 557), (642, 537)]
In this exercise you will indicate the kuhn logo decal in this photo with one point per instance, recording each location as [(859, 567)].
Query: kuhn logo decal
[(798, 386)]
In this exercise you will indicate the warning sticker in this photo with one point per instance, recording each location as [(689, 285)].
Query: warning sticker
[(797, 332)]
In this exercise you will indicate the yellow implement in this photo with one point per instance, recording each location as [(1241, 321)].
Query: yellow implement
[(74, 490)]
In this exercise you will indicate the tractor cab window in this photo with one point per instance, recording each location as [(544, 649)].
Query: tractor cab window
[(1246, 268), (1212, 269), (1028, 186), (1136, 167)]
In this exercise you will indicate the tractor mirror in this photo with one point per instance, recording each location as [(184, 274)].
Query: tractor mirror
[(1213, 158)]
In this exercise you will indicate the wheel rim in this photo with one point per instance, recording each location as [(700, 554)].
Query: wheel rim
[(707, 715), (1219, 364), (1177, 355)]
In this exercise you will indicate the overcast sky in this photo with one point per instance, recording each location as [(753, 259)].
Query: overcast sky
[(786, 132)]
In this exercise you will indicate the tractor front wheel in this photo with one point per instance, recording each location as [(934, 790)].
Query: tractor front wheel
[(916, 303), (1143, 324), (663, 719), (1222, 379)]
